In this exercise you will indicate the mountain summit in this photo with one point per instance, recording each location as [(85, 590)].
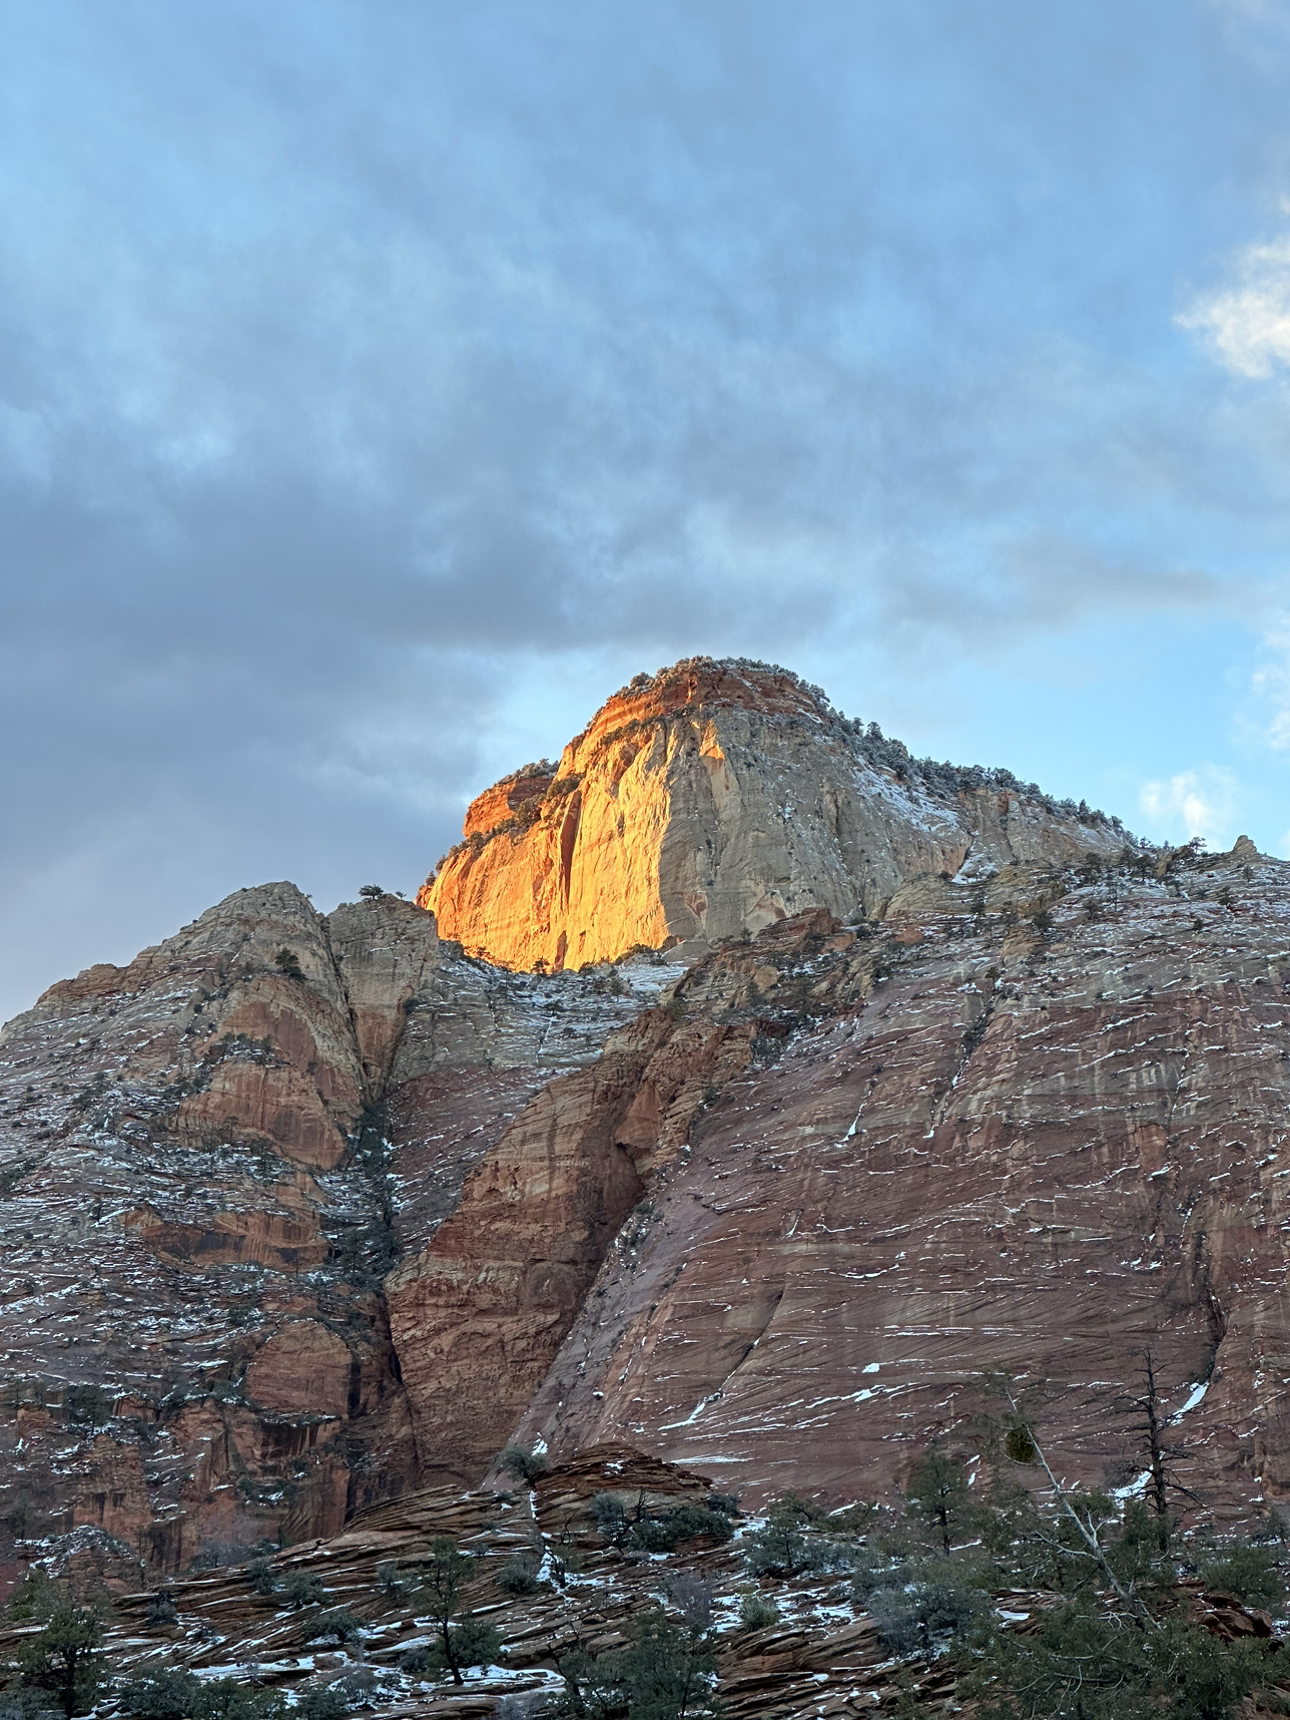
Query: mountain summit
[(711, 800), (301, 1212)]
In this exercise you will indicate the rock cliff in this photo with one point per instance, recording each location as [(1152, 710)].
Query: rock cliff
[(712, 799), (298, 1211), (209, 1160)]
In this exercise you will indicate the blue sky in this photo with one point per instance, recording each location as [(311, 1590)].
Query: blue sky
[(383, 384)]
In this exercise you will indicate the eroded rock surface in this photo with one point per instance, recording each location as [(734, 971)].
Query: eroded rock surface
[(298, 1211), (1039, 1145), (209, 1161), (713, 799)]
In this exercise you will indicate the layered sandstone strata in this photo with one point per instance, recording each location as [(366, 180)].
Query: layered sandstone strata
[(298, 1209), (709, 801), (1035, 1126), (209, 1159)]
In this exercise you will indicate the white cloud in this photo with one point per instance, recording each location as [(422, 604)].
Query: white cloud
[(1249, 323), (1200, 802)]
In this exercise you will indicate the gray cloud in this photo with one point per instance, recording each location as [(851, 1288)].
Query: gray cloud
[(351, 354)]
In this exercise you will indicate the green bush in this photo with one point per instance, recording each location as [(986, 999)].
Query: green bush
[(321, 1703), (473, 1642), (337, 1622), (519, 1576), (1082, 1660), (652, 1530), (262, 1577), (161, 1609), (230, 1699), (1248, 1572), (915, 1617), (524, 1465), (303, 1589), (666, 1672), (174, 1694), (784, 1546), (756, 1611)]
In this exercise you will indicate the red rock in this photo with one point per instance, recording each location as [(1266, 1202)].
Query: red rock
[(711, 800)]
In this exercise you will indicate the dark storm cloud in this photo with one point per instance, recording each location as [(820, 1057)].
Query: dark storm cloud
[(350, 353)]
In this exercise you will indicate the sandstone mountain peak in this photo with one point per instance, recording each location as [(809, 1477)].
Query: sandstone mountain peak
[(710, 800), (299, 1212)]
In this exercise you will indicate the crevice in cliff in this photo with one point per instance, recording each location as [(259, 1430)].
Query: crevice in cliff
[(973, 1036), (568, 840), (719, 1390)]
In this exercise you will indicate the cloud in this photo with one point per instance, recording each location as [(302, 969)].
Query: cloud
[(356, 358), (1249, 324), (1199, 802)]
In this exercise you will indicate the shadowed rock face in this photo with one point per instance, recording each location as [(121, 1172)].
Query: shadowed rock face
[(297, 1210), (208, 1161), (1043, 1151), (714, 799)]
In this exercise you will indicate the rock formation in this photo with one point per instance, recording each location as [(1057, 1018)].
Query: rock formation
[(298, 1211), (210, 1159), (713, 799)]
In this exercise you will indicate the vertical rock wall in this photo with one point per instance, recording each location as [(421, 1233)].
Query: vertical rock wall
[(705, 803)]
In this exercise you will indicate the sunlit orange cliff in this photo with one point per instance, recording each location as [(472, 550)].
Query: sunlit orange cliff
[(710, 800)]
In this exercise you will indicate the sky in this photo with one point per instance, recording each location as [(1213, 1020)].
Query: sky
[(385, 382)]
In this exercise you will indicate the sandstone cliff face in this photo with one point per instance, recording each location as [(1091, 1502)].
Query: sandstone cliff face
[(480, 1314), (297, 1210), (985, 1145), (208, 1161), (712, 800)]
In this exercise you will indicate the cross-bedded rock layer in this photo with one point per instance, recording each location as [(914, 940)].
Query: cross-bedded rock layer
[(1042, 1147)]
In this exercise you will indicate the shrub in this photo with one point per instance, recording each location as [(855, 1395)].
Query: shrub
[(666, 1672), (524, 1465), (23, 1704), (1248, 1572), (938, 1496), (471, 1643), (161, 1609), (756, 1611), (288, 964), (37, 1596), (89, 1406), (262, 1577), (230, 1699), (911, 1618), (612, 1522), (321, 1703), (694, 1597), (63, 1658), (337, 1622), (303, 1589), (657, 1531), (781, 1548), (519, 1576), (390, 1580), (166, 1695), (690, 1522)]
